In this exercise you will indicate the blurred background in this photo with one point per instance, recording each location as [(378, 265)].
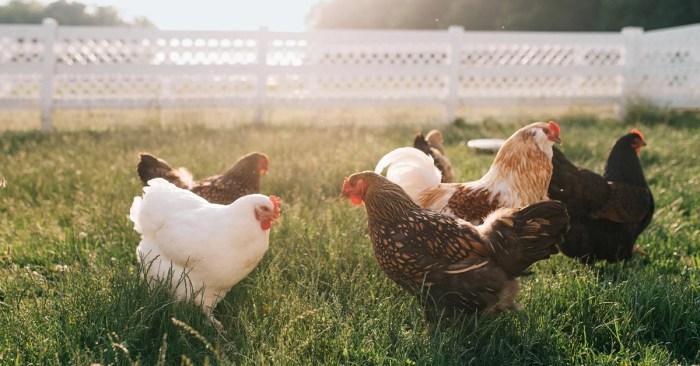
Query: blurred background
[(342, 61), (300, 15)]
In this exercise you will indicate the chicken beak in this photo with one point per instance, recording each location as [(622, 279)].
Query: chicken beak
[(557, 140)]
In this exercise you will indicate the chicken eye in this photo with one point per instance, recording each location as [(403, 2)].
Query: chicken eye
[(546, 130)]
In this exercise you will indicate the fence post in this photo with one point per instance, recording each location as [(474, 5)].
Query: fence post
[(261, 75), (454, 36), (49, 62), (630, 76)]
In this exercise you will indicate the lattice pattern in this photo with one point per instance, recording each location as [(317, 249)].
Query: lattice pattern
[(497, 80), (158, 51), (211, 87), (374, 87), (101, 87), (539, 86), (384, 55), (374, 67), (100, 51), (289, 87), (21, 50), (668, 55), (511, 85), (20, 87), (668, 67), (508, 55), (287, 52), (666, 84), (599, 85), (150, 88), (540, 55)]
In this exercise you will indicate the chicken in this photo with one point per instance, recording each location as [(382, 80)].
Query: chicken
[(202, 249), (519, 176), (434, 138), (607, 212), (242, 179), (449, 263), (432, 145)]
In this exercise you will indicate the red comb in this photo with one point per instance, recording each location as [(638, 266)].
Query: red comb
[(277, 203), (638, 132), (555, 127)]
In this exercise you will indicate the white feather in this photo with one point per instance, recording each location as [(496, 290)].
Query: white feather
[(411, 169), (211, 246)]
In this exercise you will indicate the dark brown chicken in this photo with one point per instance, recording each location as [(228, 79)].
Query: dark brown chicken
[(607, 212), (449, 263), (242, 179), (432, 145)]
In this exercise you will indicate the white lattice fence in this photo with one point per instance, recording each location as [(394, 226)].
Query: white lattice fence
[(668, 67), (57, 67)]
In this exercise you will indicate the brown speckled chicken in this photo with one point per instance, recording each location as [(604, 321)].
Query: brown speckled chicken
[(431, 144), (242, 179), (519, 176), (449, 263)]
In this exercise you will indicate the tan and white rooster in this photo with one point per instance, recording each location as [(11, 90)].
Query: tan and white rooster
[(204, 249), (519, 176)]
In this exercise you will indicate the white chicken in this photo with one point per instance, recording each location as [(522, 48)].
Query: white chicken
[(204, 249), (411, 169)]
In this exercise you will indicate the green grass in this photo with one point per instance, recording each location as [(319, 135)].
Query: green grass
[(71, 291)]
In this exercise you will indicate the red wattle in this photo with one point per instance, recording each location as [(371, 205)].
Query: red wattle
[(356, 200)]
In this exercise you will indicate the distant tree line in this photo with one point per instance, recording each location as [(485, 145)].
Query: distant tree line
[(516, 15), (66, 13)]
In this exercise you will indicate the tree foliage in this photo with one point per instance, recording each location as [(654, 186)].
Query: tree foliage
[(66, 13), (520, 15)]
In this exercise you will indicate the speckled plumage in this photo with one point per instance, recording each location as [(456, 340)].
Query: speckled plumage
[(449, 262), (519, 176), (242, 179)]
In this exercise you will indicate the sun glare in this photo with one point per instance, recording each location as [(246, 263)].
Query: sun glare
[(276, 15)]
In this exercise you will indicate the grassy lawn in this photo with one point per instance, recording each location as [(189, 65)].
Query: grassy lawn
[(71, 291)]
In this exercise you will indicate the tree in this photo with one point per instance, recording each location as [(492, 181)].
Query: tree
[(551, 15), (20, 12), (65, 13), (516, 15), (648, 14)]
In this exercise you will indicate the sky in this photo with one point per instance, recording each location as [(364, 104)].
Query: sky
[(277, 15)]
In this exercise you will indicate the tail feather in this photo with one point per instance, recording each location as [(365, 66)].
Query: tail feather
[(411, 169), (434, 149), (151, 167), (161, 199), (135, 214), (422, 145), (434, 139), (519, 238)]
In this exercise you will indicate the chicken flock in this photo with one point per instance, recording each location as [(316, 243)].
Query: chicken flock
[(455, 246)]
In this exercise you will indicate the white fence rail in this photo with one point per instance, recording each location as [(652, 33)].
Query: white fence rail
[(49, 67)]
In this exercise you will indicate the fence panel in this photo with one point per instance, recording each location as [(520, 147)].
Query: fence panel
[(51, 66)]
